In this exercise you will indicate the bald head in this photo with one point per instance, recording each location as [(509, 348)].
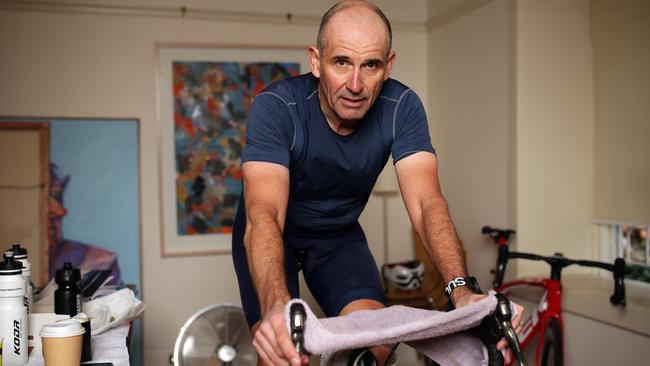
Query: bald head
[(359, 8)]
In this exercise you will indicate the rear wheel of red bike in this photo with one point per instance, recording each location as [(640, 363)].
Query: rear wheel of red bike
[(552, 350)]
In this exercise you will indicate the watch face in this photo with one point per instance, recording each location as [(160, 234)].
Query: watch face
[(473, 284)]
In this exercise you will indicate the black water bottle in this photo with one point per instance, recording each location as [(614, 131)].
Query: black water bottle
[(67, 297)]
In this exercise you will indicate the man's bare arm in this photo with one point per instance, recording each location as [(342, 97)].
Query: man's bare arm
[(429, 213), (418, 180), (266, 191), (266, 188)]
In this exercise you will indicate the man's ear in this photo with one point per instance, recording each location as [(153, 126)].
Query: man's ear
[(389, 64), (314, 61)]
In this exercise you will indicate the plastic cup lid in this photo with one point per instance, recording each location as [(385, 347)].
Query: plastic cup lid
[(79, 319), (61, 329)]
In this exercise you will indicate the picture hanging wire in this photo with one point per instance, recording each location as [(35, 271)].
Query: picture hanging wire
[(289, 17), (183, 16)]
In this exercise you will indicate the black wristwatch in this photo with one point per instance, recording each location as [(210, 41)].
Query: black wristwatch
[(470, 282)]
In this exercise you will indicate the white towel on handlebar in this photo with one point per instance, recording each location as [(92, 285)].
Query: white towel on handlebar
[(433, 333)]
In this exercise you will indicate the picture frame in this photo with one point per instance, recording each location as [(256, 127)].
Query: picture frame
[(89, 184), (191, 223)]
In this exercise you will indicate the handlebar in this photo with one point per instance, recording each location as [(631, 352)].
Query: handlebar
[(297, 316), (490, 331), (557, 263), (497, 326), (493, 328)]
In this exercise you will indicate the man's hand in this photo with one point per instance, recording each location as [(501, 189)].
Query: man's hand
[(465, 297), (273, 342)]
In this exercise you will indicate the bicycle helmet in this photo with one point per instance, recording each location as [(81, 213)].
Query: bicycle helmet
[(404, 275)]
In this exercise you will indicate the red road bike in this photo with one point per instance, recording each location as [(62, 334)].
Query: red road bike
[(546, 319)]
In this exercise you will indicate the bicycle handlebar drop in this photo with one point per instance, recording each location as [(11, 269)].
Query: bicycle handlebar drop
[(618, 298), (297, 319), (498, 326), (503, 316)]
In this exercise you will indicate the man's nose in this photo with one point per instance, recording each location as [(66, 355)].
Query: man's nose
[(355, 82)]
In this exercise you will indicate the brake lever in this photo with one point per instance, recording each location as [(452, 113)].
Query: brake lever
[(297, 316), (503, 315), (495, 327)]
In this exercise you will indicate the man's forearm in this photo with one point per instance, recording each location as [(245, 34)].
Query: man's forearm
[(418, 178), (442, 241), (265, 250)]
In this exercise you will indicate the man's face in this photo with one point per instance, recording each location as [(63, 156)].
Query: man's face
[(352, 66)]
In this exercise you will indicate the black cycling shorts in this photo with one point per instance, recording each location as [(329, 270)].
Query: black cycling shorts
[(338, 269)]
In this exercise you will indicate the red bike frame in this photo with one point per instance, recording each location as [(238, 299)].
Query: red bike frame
[(550, 305)]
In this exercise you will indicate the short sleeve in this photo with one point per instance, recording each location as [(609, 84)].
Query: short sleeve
[(410, 128), (269, 133)]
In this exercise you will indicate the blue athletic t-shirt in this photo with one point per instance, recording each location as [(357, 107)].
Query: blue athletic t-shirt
[(331, 176)]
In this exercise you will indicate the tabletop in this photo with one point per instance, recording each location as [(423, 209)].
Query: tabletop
[(109, 346)]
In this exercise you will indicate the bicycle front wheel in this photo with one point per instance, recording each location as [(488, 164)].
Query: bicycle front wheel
[(552, 349)]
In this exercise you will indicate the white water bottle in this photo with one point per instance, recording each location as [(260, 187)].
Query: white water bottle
[(13, 313), (20, 254)]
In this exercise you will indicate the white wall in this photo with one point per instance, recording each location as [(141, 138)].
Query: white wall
[(621, 30), (555, 129), (303, 10), (542, 174), (84, 64), (471, 125)]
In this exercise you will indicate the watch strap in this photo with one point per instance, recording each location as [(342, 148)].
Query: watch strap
[(470, 282)]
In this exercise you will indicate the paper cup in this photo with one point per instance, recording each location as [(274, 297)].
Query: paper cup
[(62, 343)]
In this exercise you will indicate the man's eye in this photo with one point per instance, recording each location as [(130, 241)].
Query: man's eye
[(341, 62), (372, 64)]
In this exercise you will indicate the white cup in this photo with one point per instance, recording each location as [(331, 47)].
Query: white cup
[(62, 343)]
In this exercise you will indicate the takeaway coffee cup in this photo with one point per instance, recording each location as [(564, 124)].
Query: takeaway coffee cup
[(62, 343)]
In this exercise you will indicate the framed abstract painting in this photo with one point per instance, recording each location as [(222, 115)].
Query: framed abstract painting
[(204, 96)]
